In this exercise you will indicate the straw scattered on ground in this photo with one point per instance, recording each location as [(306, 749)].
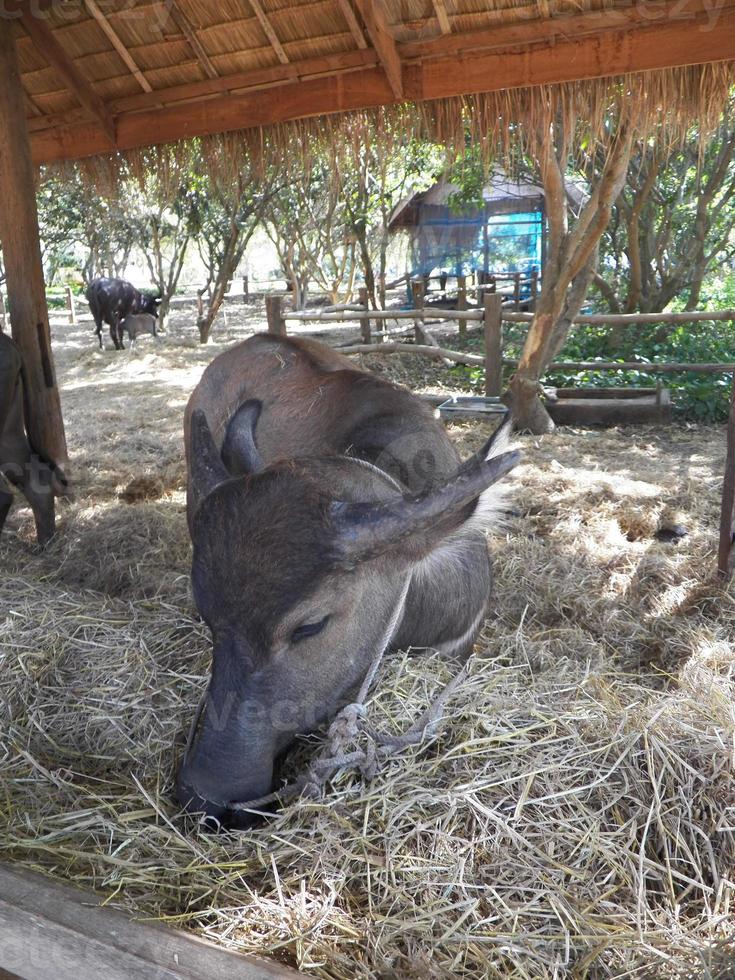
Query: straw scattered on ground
[(575, 816)]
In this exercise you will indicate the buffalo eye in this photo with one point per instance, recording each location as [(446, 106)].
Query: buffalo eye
[(308, 629)]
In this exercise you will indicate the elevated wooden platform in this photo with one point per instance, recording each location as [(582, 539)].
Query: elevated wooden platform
[(53, 932)]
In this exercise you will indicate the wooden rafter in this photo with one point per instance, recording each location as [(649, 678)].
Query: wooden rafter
[(117, 44), (667, 40), (187, 29), (268, 31), (349, 15), (49, 48), (442, 16), (376, 22)]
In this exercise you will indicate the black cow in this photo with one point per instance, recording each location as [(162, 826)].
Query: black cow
[(111, 300), (20, 466)]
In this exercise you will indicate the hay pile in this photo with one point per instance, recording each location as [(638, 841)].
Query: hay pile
[(574, 817)]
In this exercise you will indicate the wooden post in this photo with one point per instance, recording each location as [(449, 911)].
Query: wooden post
[(517, 291), (274, 312), (364, 324), (493, 324), (417, 294), (534, 288), (462, 303), (727, 515), (22, 255), (246, 288), (71, 306)]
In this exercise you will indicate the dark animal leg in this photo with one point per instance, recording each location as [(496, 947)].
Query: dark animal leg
[(98, 330), (6, 499), (38, 490)]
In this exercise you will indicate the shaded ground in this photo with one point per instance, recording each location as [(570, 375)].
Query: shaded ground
[(575, 818)]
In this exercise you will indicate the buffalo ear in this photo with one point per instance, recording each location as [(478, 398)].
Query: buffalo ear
[(206, 469), (416, 523), (239, 450)]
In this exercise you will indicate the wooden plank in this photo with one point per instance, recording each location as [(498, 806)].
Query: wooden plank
[(725, 552), (49, 48), (52, 930), (660, 45), (187, 29), (349, 15), (268, 31), (22, 256), (117, 44), (442, 16), (376, 22)]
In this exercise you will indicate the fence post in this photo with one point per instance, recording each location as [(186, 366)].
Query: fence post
[(246, 288), (70, 306), (462, 303), (364, 324), (534, 288), (493, 325), (274, 313), (417, 293), (517, 291), (727, 514)]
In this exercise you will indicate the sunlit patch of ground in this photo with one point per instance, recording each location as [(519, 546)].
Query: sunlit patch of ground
[(573, 818)]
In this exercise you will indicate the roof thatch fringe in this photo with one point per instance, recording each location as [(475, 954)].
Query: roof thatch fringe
[(583, 117)]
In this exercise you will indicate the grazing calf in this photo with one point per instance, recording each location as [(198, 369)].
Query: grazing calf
[(136, 324), (111, 300), (331, 518), (20, 466)]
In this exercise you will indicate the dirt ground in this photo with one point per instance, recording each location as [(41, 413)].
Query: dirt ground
[(603, 639)]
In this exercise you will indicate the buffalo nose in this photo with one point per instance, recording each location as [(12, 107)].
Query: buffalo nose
[(214, 815)]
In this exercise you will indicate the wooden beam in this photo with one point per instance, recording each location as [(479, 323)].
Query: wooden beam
[(376, 22), (187, 29), (442, 16), (23, 265), (349, 15), (49, 48), (117, 44), (666, 44), (567, 26), (269, 32), (52, 930)]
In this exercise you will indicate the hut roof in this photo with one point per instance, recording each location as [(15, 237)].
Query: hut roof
[(129, 73), (502, 194)]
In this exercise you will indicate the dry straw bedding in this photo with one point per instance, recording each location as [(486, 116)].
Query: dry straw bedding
[(573, 817)]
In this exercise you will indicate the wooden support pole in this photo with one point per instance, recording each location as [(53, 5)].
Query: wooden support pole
[(274, 313), (246, 288), (726, 549), (462, 303), (517, 291), (364, 324), (417, 295), (71, 306), (493, 325), (23, 265)]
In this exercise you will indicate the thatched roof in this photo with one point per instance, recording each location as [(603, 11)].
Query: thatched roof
[(115, 76)]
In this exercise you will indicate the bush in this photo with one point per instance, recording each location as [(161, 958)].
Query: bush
[(696, 397)]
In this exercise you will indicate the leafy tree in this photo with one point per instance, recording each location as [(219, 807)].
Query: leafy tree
[(672, 223)]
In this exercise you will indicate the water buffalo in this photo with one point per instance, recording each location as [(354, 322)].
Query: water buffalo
[(136, 324), (331, 517), (20, 465), (111, 300)]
